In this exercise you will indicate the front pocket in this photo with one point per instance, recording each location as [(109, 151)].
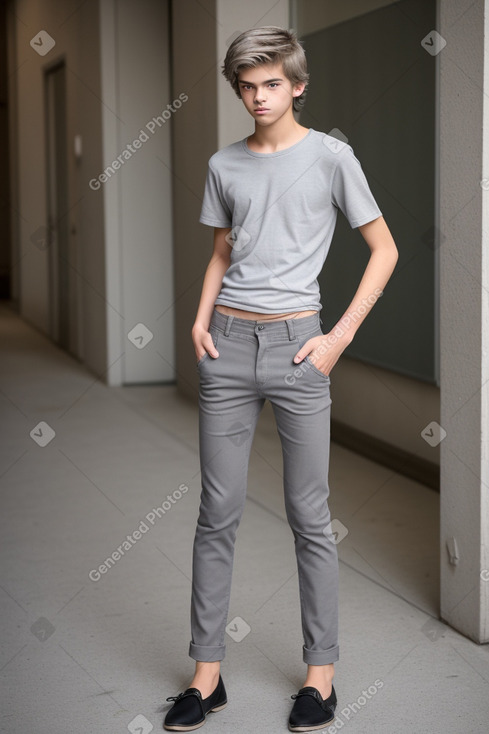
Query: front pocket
[(304, 338), (206, 354), (215, 338), (316, 369)]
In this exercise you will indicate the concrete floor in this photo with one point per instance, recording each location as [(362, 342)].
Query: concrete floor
[(100, 656)]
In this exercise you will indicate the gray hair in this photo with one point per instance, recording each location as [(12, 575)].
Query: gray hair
[(269, 44)]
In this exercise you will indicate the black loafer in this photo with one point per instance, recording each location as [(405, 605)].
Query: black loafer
[(310, 711), (190, 709)]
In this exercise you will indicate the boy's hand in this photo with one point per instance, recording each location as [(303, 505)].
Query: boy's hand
[(324, 351), (203, 343)]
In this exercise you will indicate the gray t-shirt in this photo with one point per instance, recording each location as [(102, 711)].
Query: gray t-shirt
[(282, 208)]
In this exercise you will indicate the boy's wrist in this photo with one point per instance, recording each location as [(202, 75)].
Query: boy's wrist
[(337, 335), (200, 326)]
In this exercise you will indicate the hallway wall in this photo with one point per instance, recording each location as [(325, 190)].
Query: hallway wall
[(76, 39), (137, 114), (119, 213)]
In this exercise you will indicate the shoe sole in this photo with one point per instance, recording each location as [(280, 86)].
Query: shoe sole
[(312, 728), (195, 726)]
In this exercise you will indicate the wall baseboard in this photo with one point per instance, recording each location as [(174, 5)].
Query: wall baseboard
[(403, 462)]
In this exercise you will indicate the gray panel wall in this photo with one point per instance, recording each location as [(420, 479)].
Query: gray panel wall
[(372, 80)]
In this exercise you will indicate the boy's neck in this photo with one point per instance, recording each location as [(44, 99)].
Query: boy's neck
[(279, 135)]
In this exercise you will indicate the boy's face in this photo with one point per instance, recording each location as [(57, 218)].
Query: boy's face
[(266, 87)]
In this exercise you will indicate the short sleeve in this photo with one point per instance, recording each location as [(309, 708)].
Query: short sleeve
[(215, 211), (350, 190)]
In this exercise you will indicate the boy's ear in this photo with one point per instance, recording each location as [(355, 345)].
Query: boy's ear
[(298, 89)]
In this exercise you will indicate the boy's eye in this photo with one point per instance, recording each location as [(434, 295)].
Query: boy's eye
[(249, 86)]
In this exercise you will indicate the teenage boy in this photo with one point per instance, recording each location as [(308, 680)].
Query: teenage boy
[(272, 199)]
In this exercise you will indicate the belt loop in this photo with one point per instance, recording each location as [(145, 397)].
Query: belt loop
[(229, 321), (290, 327)]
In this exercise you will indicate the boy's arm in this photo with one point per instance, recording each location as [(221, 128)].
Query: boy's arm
[(382, 261), (214, 274)]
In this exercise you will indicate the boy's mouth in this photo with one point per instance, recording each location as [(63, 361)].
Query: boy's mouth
[(262, 109)]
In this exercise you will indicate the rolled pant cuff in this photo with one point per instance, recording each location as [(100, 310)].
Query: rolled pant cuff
[(207, 653), (321, 657)]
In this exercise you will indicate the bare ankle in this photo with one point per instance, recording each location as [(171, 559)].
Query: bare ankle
[(206, 677), (326, 671), (207, 668)]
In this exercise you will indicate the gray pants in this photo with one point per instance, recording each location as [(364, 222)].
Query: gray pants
[(255, 363)]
